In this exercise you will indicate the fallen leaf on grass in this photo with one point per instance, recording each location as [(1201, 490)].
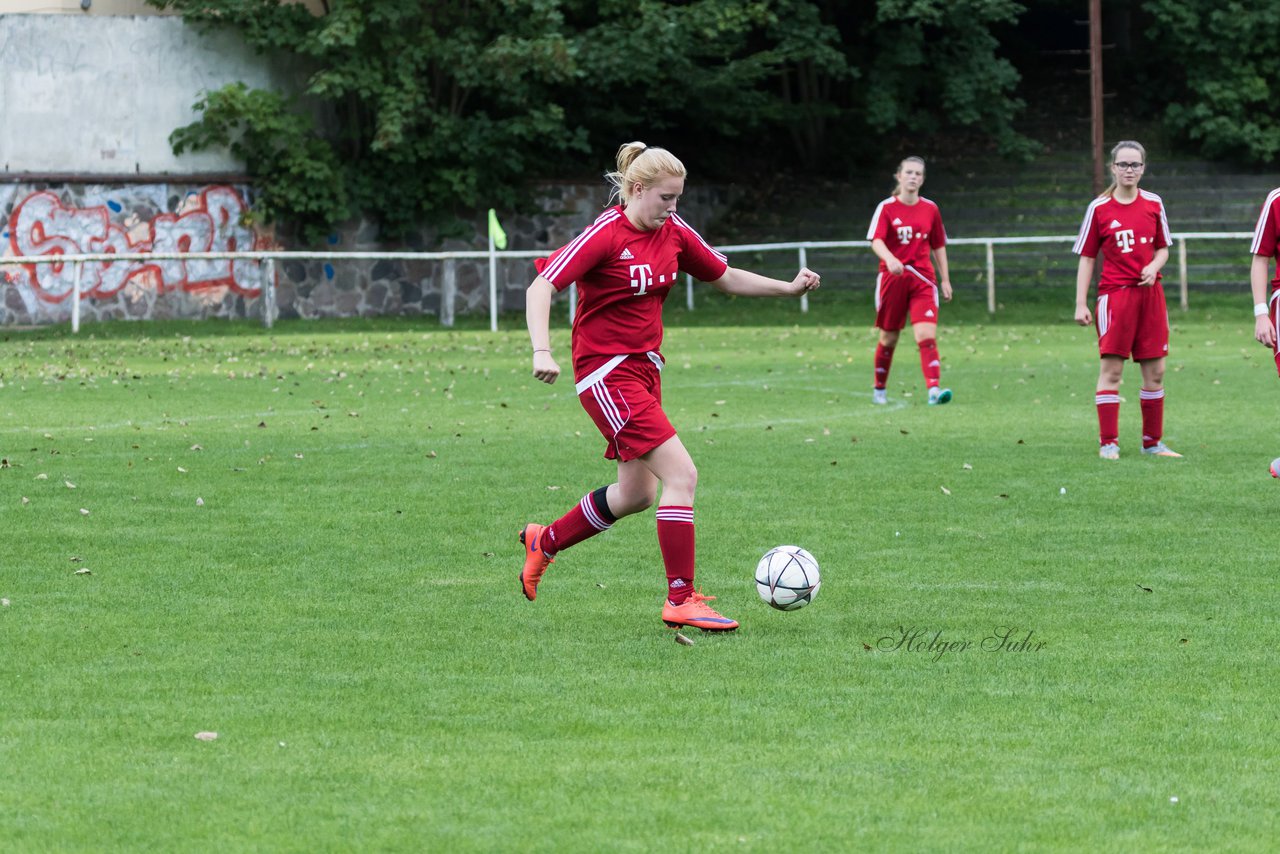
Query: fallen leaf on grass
[(84, 512), (1148, 589), (945, 491), (196, 448), (68, 484), (26, 500), (181, 470), (41, 476), (683, 641), (199, 502), (84, 570), (4, 603), (206, 736)]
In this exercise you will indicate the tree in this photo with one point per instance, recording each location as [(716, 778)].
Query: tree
[(1222, 54), (414, 111), (428, 109)]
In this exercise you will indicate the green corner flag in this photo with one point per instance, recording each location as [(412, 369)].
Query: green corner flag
[(496, 233)]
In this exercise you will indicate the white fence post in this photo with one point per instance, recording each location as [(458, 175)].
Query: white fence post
[(493, 286), (75, 299), (268, 268), (1182, 271), (991, 278), (448, 292), (804, 297)]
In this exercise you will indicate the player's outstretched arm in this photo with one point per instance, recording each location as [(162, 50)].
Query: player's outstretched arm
[(1262, 329), (537, 314), (748, 284), (1084, 275)]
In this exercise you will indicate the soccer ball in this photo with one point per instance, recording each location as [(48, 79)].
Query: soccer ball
[(1275, 467), (787, 578)]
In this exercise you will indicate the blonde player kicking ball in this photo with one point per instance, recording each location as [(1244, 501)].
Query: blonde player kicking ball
[(905, 229), (1129, 227), (625, 264)]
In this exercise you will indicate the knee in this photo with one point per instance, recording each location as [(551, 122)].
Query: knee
[(683, 480), (634, 500), (1111, 374)]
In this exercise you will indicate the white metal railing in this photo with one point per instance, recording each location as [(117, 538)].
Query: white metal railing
[(267, 259)]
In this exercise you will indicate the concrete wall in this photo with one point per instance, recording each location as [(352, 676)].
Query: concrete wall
[(100, 95)]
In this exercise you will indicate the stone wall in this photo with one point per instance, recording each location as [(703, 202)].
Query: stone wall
[(56, 219)]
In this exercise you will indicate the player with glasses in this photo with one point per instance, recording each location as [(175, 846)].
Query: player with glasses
[(1129, 227)]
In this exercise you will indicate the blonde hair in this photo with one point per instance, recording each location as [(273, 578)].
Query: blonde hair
[(639, 162), (1124, 143), (897, 187)]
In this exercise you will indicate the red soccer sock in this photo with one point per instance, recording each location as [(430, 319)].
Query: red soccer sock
[(1108, 402), (930, 366), (675, 539), (884, 358), (588, 518), (1152, 403)]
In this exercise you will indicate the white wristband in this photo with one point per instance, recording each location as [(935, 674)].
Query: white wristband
[(1259, 309)]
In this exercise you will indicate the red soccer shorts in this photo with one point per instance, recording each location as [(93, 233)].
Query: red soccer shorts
[(899, 296), (626, 405), (1133, 322)]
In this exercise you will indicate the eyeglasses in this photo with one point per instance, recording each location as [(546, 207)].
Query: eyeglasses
[(1129, 167)]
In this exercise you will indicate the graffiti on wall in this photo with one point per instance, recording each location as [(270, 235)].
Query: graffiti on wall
[(206, 221)]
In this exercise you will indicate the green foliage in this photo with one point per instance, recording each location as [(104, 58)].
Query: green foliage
[(428, 110), (937, 65), (299, 177), (1226, 52)]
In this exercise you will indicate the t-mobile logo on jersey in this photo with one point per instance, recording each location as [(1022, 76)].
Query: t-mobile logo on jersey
[(1125, 239), (641, 277), (904, 234)]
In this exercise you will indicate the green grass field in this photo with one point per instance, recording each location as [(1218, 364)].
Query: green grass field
[(304, 540)]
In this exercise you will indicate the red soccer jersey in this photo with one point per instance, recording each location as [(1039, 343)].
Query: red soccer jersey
[(1128, 236), (1266, 235), (624, 274), (910, 232)]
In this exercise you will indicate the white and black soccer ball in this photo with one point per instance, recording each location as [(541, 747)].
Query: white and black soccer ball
[(787, 578)]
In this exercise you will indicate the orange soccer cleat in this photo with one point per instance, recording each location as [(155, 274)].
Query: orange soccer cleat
[(695, 612), (535, 560)]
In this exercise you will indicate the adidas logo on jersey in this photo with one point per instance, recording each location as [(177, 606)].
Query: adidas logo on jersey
[(897, 221), (626, 255), (929, 313), (1115, 223)]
